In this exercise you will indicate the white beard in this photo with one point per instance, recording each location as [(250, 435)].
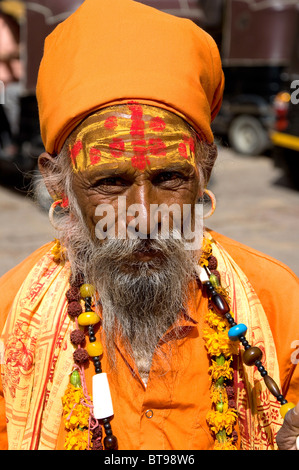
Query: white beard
[(140, 299)]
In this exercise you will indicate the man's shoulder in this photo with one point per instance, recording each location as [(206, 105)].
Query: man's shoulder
[(258, 267), (23, 268), (11, 282)]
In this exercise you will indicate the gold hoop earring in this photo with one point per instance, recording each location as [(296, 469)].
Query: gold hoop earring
[(63, 203), (212, 198)]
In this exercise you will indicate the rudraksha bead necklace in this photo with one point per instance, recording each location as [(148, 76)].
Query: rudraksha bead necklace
[(88, 319)]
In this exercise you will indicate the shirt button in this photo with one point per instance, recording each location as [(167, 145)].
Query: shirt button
[(149, 414)]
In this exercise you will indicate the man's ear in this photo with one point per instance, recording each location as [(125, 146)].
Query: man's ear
[(212, 153), (46, 165)]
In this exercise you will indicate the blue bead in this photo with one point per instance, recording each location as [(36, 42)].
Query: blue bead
[(236, 331)]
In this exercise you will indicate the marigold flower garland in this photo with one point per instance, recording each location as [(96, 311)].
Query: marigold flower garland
[(83, 430), (76, 415), (223, 415), (221, 337)]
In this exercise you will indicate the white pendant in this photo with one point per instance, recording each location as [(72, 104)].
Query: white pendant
[(202, 274), (102, 402)]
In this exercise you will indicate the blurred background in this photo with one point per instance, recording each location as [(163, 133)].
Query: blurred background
[(256, 178)]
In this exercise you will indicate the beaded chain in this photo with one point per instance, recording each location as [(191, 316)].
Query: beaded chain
[(221, 419), (221, 338), (94, 349)]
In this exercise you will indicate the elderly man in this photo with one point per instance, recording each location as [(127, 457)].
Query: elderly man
[(118, 341)]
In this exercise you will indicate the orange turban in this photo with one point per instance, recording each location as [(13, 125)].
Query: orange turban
[(113, 51)]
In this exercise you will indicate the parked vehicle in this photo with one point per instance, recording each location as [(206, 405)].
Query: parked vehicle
[(285, 132), (254, 38), (247, 112), (257, 40)]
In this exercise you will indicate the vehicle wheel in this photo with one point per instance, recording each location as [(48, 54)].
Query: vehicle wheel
[(247, 136), (40, 191)]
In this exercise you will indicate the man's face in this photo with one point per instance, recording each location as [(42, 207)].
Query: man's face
[(154, 164), (146, 157), (166, 184)]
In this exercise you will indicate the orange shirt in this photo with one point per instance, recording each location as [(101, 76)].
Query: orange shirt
[(170, 413)]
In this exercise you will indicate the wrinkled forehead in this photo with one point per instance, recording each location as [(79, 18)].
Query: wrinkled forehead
[(141, 135)]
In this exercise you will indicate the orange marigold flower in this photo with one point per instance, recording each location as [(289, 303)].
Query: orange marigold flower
[(215, 320), (206, 247), (223, 370), (218, 394), (206, 251), (75, 413), (228, 445), (217, 342), (218, 421), (77, 439), (58, 251)]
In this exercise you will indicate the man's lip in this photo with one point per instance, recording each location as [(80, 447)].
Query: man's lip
[(146, 255)]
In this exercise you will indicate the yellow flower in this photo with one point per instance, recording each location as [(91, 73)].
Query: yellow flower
[(218, 394), (72, 395), (75, 413), (206, 247), (218, 343), (223, 370), (203, 262), (228, 445), (77, 439), (206, 251), (219, 421), (58, 251), (216, 321)]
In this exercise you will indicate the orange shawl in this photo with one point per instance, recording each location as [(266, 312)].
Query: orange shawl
[(38, 358)]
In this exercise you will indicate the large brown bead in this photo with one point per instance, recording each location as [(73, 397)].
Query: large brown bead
[(219, 304), (251, 355), (272, 386), (80, 356), (110, 442)]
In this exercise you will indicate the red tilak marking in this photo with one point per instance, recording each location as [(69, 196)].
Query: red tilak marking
[(183, 150), (111, 122), (157, 147), (75, 150), (189, 141), (136, 110), (157, 124), (139, 160), (94, 155), (117, 147), (137, 128)]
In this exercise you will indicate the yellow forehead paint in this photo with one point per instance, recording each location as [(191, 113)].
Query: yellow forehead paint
[(140, 134)]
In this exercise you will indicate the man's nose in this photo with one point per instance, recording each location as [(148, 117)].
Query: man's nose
[(139, 214)]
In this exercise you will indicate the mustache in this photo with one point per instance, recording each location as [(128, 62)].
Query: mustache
[(118, 249)]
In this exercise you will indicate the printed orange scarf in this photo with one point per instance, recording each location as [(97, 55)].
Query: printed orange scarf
[(39, 358)]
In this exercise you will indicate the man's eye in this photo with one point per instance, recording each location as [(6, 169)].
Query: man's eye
[(168, 176), (111, 181)]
